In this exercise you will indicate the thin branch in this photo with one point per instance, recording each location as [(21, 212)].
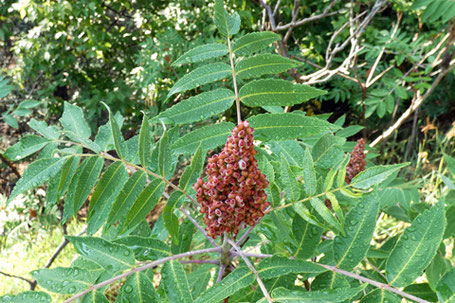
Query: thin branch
[(55, 254), (141, 268), (11, 165), (363, 279), (414, 105), (368, 83), (217, 262), (18, 277), (324, 14), (234, 80), (252, 255), (221, 273), (374, 283), (169, 183), (198, 227), (251, 267)]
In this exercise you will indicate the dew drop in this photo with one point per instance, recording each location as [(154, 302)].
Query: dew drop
[(128, 289)]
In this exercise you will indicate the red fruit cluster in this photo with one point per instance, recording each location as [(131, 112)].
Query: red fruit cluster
[(233, 197), (357, 162)]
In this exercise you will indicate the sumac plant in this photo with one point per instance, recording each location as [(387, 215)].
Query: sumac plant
[(248, 223)]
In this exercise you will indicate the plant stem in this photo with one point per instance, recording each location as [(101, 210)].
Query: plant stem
[(374, 283), (234, 80), (220, 273), (142, 268), (251, 267), (198, 227), (200, 262), (352, 275)]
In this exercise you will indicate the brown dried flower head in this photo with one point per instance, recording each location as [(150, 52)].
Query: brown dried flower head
[(233, 196)]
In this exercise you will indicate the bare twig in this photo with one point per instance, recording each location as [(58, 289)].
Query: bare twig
[(373, 282), (295, 23), (221, 273), (251, 267), (252, 255), (141, 268), (18, 277), (11, 165), (234, 80), (200, 262), (198, 227), (414, 105), (368, 83)]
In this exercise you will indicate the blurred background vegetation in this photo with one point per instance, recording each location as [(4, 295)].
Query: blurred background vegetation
[(120, 52)]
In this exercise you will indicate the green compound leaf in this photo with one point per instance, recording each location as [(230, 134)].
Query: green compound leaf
[(270, 92), (380, 295), (95, 297), (326, 214), (307, 237), (176, 282), (119, 141), (291, 185), (127, 196), (64, 280), (253, 42), (144, 203), (199, 107), (360, 223), (138, 288), (421, 290), (287, 126), (170, 220), (193, 171), (49, 132), (210, 137), (202, 75), (446, 287), (279, 266), (74, 123), (166, 163), (145, 248), (309, 174), (226, 24), (36, 174), (58, 185), (81, 185), (111, 256), (27, 297), (375, 175), (416, 247), (235, 281), (144, 147), (104, 194), (26, 146), (202, 53), (265, 64), (284, 295)]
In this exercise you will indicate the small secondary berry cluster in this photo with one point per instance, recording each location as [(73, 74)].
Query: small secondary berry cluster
[(233, 196), (357, 162)]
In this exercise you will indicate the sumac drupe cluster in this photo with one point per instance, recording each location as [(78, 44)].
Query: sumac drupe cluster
[(233, 196)]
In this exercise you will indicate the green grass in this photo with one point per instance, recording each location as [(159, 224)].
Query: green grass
[(32, 251)]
